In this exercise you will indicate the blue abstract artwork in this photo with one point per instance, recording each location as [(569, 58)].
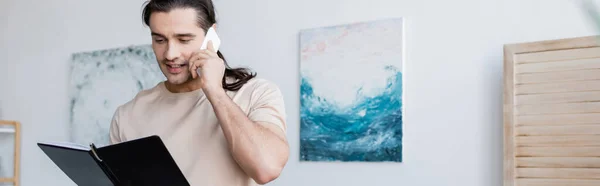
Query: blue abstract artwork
[(351, 92)]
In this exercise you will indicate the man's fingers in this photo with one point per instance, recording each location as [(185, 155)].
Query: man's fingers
[(200, 55), (198, 59), (210, 46), (195, 65), (208, 54), (192, 69)]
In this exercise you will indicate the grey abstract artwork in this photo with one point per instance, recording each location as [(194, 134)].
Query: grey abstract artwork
[(102, 80)]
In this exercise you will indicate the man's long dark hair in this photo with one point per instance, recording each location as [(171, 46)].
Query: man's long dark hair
[(206, 18)]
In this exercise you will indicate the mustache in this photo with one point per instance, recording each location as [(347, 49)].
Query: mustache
[(181, 62)]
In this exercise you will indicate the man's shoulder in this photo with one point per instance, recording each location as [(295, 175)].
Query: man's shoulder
[(260, 90), (260, 85)]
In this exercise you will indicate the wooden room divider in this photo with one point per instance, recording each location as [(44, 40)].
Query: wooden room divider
[(552, 113)]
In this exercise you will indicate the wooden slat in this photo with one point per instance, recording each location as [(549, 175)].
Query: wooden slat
[(558, 55), (564, 173), (559, 162), (553, 141), (6, 180), (562, 76), (8, 122), (555, 44), (570, 97), (562, 130), (561, 108), (557, 87), (508, 116), (578, 64), (557, 151), (556, 182), (17, 154), (558, 119)]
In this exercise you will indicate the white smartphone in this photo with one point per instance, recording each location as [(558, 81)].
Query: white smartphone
[(211, 35)]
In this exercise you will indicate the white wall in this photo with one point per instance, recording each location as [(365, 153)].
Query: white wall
[(453, 128)]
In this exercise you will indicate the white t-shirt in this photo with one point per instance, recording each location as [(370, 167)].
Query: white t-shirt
[(190, 130)]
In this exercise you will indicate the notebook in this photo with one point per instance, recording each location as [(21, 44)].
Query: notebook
[(144, 161)]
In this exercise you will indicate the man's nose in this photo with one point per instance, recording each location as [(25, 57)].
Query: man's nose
[(172, 52)]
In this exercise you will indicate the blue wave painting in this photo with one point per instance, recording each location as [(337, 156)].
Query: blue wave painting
[(351, 92)]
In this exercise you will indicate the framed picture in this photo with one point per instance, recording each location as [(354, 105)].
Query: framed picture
[(102, 80), (351, 92)]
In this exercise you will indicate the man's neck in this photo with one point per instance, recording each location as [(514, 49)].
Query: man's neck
[(188, 86)]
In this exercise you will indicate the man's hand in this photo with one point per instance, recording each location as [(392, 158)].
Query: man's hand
[(212, 68)]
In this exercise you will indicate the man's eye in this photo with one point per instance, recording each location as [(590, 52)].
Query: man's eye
[(185, 40), (159, 40)]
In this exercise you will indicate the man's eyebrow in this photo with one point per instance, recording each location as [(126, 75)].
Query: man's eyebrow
[(157, 34), (185, 35), (176, 35)]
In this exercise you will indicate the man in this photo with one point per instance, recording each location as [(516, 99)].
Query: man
[(223, 126)]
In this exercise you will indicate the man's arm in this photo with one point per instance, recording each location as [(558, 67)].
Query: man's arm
[(114, 134), (260, 148)]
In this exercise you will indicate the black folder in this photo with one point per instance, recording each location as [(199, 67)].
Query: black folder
[(140, 162)]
